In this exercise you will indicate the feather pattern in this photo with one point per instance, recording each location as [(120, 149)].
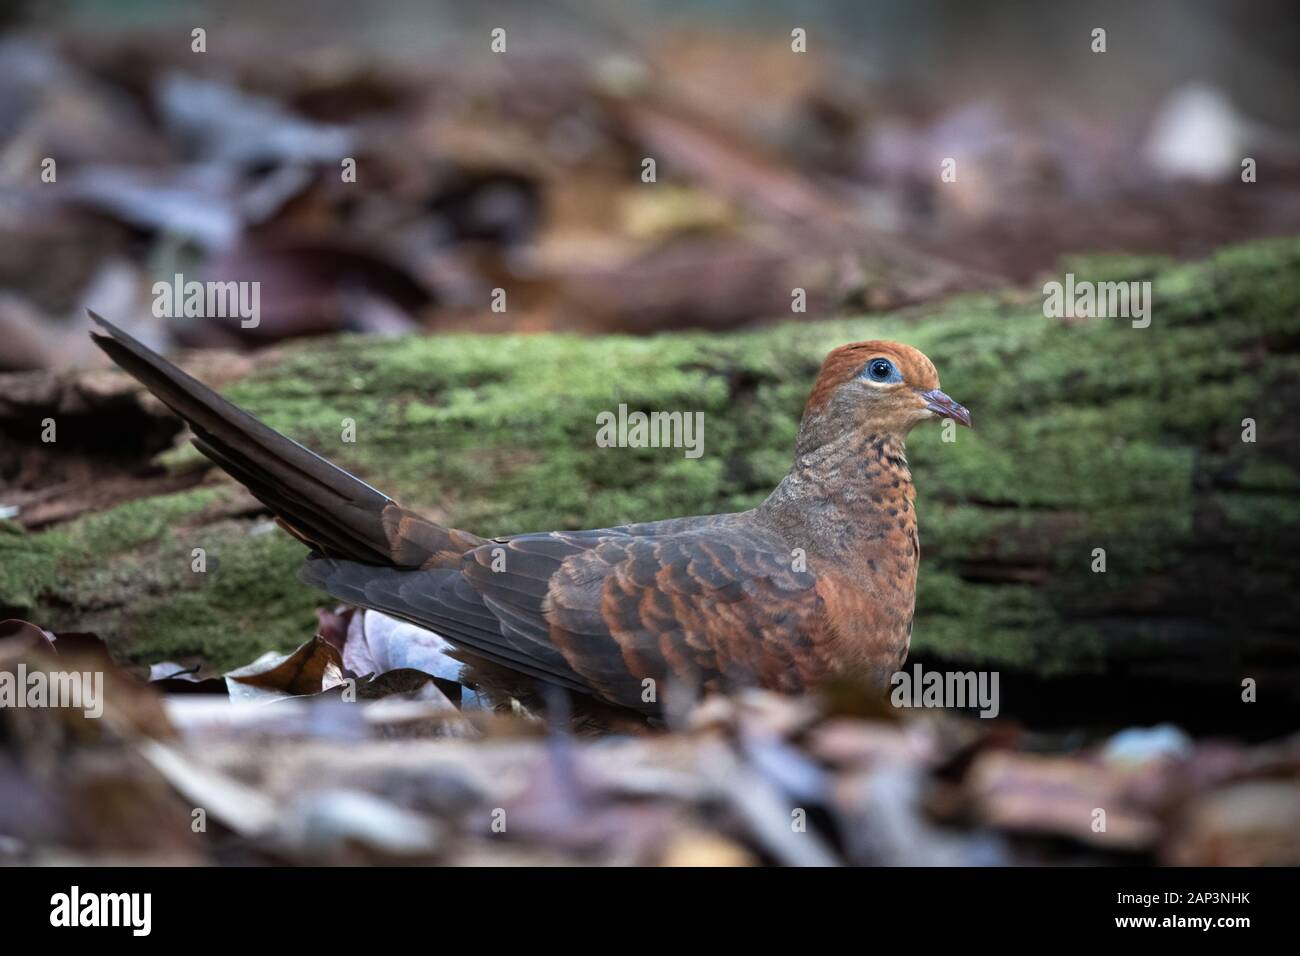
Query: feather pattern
[(817, 580)]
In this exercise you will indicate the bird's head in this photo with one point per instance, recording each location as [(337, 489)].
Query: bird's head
[(883, 388)]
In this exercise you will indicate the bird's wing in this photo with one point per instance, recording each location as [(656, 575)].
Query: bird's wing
[(603, 611), (441, 600)]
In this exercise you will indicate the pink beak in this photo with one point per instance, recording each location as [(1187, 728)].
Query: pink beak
[(941, 404)]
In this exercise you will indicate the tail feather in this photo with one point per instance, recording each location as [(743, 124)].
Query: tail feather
[(326, 536), (334, 512)]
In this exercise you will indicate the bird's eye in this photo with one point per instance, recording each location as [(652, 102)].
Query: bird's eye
[(882, 370)]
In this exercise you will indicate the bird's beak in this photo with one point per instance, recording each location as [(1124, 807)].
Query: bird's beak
[(939, 403)]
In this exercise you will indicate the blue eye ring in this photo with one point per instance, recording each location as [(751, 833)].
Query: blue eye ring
[(881, 370)]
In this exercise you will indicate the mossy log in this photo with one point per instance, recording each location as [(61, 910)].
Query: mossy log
[(1089, 434)]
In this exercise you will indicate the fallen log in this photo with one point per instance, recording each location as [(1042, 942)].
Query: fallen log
[(1167, 455)]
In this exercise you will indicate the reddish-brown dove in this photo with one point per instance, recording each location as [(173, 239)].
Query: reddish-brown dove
[(817, 581)]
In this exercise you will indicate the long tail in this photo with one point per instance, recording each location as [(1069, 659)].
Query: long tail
[(333, 512)]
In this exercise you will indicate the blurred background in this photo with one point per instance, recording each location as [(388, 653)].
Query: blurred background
[(477, 171)]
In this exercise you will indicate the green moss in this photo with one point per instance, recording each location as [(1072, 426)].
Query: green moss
[(262, 604), (34, 565), (1010, 626), (1088, 434), (1269, 475), (1275, 511), (128, 574)]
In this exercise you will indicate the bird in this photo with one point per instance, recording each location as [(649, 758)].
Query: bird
[(816, 582)]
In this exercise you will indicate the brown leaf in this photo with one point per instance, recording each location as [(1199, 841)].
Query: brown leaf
[(314, 667)]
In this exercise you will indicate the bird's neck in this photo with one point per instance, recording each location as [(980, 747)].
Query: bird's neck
[(843, 494)]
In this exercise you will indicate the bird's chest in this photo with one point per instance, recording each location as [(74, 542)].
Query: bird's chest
[(878, 544), (867, 627), (869, 580)]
